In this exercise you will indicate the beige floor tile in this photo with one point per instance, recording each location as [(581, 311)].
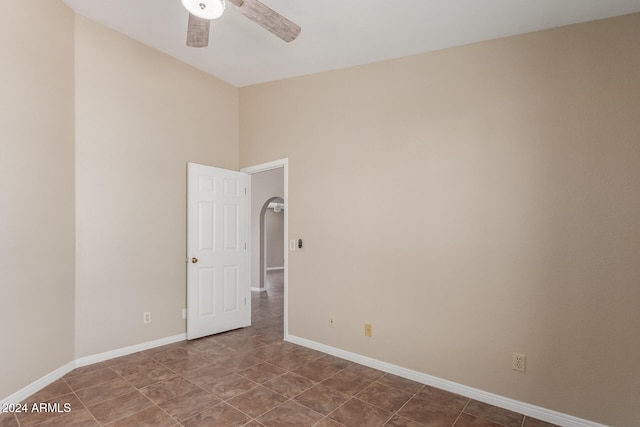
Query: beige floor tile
[(290, 414), (492, 413), (257, 401), (189, 404), (8, 420), (322, 399), (151, 417), (219, 415), (106, 391), (384, 397), (120, 407), (289, 384), (357, 413), (262, 372)]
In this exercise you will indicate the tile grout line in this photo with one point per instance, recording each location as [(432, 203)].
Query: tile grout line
[(83, 405), (461, 412), (276, 392), (115, 397)]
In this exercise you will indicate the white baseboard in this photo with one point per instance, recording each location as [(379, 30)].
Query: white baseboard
[(253, 289), (51, 377), (470, 392), (101, 357), (38, 384)]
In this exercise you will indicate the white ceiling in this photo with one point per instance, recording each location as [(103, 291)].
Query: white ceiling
[(336, 33)]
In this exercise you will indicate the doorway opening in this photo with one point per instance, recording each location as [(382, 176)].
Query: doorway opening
[(269, 184)]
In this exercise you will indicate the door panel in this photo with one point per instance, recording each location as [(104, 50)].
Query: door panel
[(206, 229), (206, 292), (231, 227), (231, 294), (218, 288)]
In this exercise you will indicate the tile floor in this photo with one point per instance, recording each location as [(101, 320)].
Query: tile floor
[(250, 377)]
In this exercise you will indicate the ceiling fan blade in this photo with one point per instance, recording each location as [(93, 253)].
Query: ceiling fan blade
[(198, 32), (268, 19)]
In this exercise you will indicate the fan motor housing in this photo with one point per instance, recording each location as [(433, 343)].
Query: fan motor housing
[(205, 9)]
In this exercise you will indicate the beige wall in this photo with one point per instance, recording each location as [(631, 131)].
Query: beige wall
[(141, 116), (36, 192), (471, 203), (274, 227)]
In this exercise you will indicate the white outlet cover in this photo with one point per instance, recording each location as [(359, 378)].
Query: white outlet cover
[(518, 362)]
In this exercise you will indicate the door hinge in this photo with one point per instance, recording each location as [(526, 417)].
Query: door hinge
[(245, 246), (245, 191), (245, 300)]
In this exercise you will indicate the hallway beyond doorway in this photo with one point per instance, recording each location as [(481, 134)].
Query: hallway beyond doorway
[(267, 308)]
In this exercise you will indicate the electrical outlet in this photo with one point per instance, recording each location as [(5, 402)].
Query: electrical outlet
[(146, 317), (332, 321), (518, 362), (367, 329)]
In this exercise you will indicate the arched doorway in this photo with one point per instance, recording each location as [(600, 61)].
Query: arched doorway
[(271, 238)]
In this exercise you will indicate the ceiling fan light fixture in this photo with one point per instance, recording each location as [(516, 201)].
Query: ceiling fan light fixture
[(205, 9)]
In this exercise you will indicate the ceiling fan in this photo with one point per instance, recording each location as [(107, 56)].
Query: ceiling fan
[(202, 12)]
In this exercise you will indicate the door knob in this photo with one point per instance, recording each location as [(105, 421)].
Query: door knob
[(194, 260)]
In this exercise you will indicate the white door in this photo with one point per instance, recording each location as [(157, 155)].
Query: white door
[(218, 288)]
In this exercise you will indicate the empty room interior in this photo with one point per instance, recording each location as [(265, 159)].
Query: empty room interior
[(469, 203)]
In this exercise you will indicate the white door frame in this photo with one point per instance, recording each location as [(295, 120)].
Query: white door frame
[(276, 164)]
